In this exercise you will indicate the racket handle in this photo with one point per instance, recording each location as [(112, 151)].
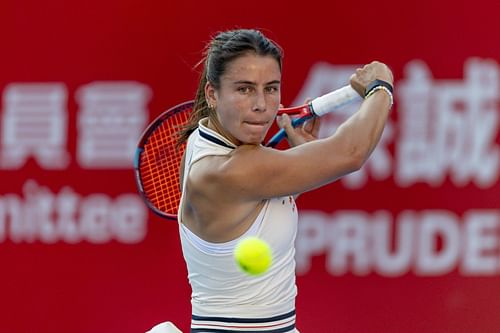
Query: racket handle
[(334, 100), (282, 134)]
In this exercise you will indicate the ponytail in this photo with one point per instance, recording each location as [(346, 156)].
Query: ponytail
[(200, 110)]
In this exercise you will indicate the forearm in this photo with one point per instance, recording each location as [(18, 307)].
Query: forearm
[(362, 131)]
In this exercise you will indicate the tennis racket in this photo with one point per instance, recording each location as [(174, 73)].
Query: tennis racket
[(157, 157)]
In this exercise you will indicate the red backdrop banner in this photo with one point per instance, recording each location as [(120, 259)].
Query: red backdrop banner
[(410, 243)]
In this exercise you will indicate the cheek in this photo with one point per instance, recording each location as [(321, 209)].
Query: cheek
[(228, 116), (273, 101), (233, 111)]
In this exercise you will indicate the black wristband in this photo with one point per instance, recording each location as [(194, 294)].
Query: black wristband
[(376, 83)]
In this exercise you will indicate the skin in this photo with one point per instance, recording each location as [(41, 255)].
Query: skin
[(246, 105)]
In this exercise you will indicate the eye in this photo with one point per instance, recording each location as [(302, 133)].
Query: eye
[(245, 89), (272, 89)]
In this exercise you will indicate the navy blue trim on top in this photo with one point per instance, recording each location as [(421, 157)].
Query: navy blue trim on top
[(232, 324), (214, 139), (290, 328), (245, 320)]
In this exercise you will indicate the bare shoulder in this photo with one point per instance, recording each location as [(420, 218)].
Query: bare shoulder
[(250, 161), (217, 210), (207, 167), (228, 174)]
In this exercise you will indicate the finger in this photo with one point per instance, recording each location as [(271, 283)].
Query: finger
[(315, 127), (312, 125), (356, 83), (308, 125), (284, 122)]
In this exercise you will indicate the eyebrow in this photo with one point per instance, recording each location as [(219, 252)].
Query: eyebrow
[(253, 83)]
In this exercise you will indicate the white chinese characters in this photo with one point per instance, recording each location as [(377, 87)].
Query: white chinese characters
[(449, 127), (34, 124), (111, 118)]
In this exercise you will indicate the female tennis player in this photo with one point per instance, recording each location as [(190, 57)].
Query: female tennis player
[(234, 187)]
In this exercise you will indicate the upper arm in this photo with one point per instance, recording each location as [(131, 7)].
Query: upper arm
[(258, 172)]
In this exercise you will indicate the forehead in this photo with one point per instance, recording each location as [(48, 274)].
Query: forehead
[(251, 66)]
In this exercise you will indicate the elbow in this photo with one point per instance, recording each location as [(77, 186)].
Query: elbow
[(355, 164), (354, 150), (356, 158)]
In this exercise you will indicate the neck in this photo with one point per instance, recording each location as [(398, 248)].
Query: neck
[(215, 125)]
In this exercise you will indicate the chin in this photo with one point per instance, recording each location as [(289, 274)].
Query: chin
[(253, 140)]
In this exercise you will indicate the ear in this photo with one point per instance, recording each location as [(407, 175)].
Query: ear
[(210, 94)]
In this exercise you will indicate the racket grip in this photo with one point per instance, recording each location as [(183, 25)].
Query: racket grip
[(334, 100), (282, 133)]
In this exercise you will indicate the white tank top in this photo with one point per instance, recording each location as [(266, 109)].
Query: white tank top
[(222, 295)]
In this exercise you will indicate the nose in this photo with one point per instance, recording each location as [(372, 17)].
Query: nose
[(260, 102)]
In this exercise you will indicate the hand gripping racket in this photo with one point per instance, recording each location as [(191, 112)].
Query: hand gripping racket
[(157, 158), (316, 108)]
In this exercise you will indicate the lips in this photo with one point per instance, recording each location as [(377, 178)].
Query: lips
[(257, 123)]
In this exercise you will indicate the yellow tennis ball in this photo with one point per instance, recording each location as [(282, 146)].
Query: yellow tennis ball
[(253, 255)]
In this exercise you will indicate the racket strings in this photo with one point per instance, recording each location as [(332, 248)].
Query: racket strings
[(160, 165)]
